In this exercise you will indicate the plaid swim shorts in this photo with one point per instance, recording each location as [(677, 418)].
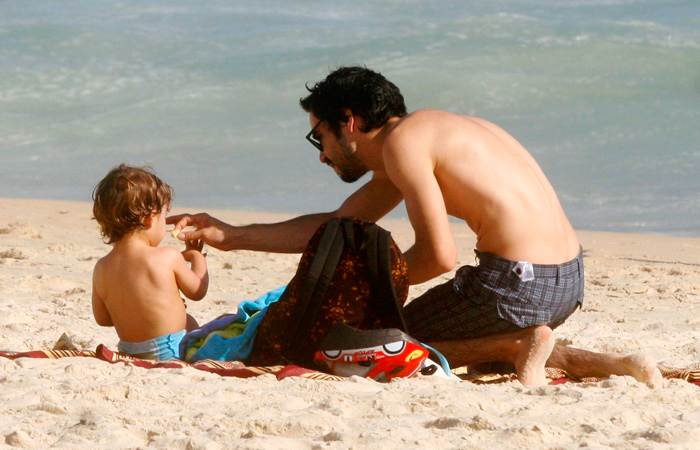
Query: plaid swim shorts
[(496, 296)]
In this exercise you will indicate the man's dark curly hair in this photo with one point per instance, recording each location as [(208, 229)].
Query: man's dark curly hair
[(364, 92), (125, 197)]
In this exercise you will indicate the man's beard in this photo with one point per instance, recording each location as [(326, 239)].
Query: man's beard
[(350, 174), (348, 166)]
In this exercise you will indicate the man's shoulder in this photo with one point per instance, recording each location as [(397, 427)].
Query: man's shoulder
[(421, 117), (407, 129), (425, 122), (416, 133)]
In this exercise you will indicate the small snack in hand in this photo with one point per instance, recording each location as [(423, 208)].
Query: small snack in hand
[(176, 232)]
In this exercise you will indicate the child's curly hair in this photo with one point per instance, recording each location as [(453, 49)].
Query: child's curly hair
[(125, 197)]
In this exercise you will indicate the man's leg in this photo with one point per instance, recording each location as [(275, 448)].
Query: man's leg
[(582, 363), (442, 310), (441, 313), (528, 349), (525, 350)]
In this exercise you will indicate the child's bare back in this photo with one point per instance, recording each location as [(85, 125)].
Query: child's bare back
[(137, 286), (143, 303)]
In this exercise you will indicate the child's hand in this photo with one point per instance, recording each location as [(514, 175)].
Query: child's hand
[(193, 247)]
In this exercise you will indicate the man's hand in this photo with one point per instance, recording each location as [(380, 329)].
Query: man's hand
[(208, 229)]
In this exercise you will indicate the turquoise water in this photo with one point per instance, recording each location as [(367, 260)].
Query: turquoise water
[(605, 94)]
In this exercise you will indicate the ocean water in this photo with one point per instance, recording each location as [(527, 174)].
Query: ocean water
[(604, 93)]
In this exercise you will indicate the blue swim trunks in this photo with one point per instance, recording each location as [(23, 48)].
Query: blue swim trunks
[(161, 348)]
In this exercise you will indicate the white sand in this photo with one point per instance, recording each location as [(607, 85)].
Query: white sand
[(642, 294)]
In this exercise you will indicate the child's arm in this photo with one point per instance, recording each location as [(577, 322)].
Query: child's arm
[(99, 310), (192, 281)]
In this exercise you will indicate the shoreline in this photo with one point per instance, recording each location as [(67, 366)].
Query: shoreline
[(271, 215), (642, 295)]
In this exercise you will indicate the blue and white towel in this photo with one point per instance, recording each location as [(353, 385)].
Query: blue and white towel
[(216, 345)]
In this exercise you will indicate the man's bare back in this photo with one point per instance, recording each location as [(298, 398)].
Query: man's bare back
[(489, 180)]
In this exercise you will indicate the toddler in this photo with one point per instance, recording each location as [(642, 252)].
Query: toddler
[(136, 286)]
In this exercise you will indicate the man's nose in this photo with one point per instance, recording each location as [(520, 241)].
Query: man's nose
[(322, 157)]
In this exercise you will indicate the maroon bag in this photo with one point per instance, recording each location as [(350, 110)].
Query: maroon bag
[(351, 272)]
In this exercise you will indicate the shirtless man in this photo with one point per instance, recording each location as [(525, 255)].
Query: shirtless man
[(530, 276)]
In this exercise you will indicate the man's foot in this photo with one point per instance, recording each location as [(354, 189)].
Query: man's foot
[(642, 367), (534, 347)]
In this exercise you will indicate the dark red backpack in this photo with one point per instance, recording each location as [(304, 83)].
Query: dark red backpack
[(351, 272)]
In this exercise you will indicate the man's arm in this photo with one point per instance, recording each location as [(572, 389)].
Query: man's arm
[(411, 167), (371, 202), (289, 236)]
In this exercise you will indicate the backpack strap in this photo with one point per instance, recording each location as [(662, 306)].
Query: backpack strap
[(349, 226), (321, 270), (387, 290), (377, 245)]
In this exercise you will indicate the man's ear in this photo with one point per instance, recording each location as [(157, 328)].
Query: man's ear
[(351, 122)]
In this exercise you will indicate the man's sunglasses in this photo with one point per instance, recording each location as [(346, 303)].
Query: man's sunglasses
[(310, 137)]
